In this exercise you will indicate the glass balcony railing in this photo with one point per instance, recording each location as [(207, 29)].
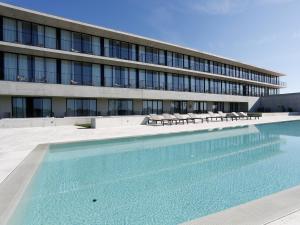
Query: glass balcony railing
[(92, 46)]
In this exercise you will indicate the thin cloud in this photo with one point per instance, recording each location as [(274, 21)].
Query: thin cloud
[(225, 7)]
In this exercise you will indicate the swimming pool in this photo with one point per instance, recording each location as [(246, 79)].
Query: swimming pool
[(167, 179)]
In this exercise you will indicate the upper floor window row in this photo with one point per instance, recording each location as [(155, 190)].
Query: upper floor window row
[(44, 36)]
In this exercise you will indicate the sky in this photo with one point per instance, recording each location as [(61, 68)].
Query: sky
[(264, 33)]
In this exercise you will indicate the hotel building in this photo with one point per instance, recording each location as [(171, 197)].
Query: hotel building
[(52, 66)]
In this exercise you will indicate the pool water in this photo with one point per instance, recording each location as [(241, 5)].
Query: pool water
[(161, 180)]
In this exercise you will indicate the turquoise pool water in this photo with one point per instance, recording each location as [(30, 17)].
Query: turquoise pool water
[(162, 180)]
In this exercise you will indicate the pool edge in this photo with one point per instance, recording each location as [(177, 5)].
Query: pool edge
[(13, 186), (261, 211)]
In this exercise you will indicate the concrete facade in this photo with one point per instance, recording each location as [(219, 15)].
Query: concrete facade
[(59, 93)]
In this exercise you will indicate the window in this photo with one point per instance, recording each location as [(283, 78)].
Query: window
[(132, 78), (31, 107), (108, 77), (152, 107), (38, 37), (50, 37), (186, 62), (162, 59), (24, 68), (120, 107), (86, 43), (81, 107), (76, 42), (142, 79), (51, 73), (96, 75), (39, 70), (10, 66), (179, 107), (66, 40), (170, 82), (96, 47), (18, 107), (162, 79), (87, 74), (9, 30), (24, 32), (66, 72)]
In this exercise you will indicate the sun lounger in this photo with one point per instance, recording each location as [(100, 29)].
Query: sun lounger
[(224, 116), (251, 115), (237, 116), (213, 116), (153, 118), (170, 118), (196, 117), (182, 118)]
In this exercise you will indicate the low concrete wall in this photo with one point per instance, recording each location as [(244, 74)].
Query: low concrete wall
[(281, 114), (42, 122), (118, 121), (280, 103)]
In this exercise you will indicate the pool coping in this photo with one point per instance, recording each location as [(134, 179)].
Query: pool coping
[(257, 212)]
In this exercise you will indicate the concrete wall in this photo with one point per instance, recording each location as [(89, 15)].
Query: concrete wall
[(5, 106), (279, 103)]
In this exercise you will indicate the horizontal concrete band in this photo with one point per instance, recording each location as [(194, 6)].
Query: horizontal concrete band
[(60, 54), (58, 90)]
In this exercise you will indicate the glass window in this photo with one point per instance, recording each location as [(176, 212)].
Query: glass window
[(132, 78), (120, 107), (24, 32), (149, 79), (51, 71), (66, 72), (124, 50), (96, 47), (170, 82), (10, 66), (142, 54), (186, 83), (175, 82), (50, 37), (162, 84), (96, 75), (186, 62), (9, 30), (132, 52), (39, 70), (38, 35), (76, 42), (66, 40), (155, 80), (162, 59), (169, 59), (108, 77), (193, 84), (41, 107), (86, 43), (142, 79), (24, 68), (81, 107), (18, 107), (106, 48), (77, 73), (87, 74)]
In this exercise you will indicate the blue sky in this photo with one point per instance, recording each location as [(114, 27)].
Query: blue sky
[(265, 33)]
